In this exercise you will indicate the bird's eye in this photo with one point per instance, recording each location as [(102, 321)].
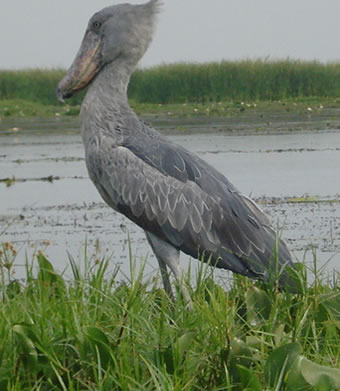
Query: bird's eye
[(96, 25)]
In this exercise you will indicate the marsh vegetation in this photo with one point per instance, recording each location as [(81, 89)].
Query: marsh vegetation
[(95, 333), (225, 81)]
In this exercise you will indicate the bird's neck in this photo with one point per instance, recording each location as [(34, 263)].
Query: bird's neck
[(106, 102), (110, 85)]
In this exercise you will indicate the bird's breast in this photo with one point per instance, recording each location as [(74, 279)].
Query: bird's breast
[(100, 166)]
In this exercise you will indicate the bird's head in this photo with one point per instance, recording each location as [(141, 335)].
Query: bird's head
[(121, 32)]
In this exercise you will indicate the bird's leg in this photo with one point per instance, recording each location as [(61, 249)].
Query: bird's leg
[(167, 255), (179, 276), (162, 265), (165, 277)]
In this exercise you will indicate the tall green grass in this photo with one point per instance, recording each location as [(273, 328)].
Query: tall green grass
[(239, 80), (178, 83), (94, 333), (37, 85)]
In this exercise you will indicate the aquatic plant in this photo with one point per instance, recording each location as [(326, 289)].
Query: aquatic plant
[(95, 333)]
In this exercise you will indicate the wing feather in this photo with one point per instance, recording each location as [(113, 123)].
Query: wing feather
[(172, 193)]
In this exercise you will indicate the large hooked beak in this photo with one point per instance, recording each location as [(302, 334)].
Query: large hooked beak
[(84, 68)]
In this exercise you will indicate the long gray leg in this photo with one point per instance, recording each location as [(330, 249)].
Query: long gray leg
[(168, 255), (164, 272)]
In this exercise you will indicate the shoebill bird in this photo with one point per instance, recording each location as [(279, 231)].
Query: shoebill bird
[(180, 201)]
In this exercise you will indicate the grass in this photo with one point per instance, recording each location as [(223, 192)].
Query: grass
[(94, 333), (226, 81), (247, 80), (23, 109), (227, 88), (34, 85)]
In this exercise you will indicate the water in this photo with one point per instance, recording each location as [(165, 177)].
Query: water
[(67, 214)]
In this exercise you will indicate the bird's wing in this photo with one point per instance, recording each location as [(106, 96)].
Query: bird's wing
[(177, 162), (181, 213)]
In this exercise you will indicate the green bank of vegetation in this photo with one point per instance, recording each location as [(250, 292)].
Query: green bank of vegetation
[(93, 333), (235, 81), (33, 85), (194, 83)]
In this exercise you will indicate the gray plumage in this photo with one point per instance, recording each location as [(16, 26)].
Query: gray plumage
[(181, 202)]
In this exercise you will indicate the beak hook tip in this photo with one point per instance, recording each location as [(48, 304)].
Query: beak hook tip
[(60, 95)]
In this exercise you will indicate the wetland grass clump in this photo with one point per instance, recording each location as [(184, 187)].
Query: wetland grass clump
[(94, 333), (246, 80), (35, 85)]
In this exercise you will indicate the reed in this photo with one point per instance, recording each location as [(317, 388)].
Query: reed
[(229, 80), (35, 85), (247, 80)]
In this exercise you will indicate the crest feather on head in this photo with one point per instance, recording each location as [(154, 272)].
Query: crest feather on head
[(155, 5)]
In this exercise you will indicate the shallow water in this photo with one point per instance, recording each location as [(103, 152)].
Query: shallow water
[(61, 215)]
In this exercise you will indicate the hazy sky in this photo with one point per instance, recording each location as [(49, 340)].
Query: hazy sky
[(47, 33)]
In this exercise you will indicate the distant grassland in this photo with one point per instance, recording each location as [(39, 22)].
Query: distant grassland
[(201, 83)]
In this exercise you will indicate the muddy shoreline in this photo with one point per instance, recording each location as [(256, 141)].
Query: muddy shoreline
[(254, 122)]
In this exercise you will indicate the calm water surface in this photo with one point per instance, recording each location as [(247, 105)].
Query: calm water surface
[(62, 216)]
